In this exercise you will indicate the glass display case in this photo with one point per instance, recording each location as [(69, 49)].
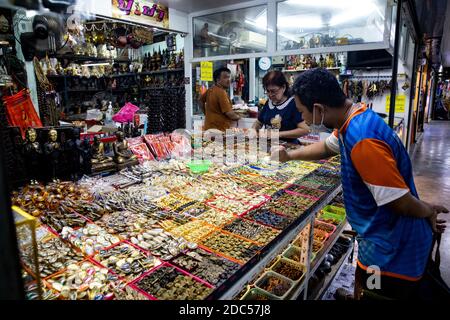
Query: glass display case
[(231, 32), (304, 24), (239, 89)]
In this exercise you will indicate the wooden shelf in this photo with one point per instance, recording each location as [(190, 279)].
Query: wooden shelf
[(160, 88), (132, 74), (302, 70), (161, 71), (87, 58)]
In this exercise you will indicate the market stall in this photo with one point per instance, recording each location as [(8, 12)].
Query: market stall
[(159, 231)]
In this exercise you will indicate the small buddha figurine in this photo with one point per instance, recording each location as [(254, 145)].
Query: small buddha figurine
[(32, 153), (121, 153), (98, 152), (52, 150)]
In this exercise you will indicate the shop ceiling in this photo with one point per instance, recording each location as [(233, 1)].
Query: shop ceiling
[(431, 15), (190, 6)]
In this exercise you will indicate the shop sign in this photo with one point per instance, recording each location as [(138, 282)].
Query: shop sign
[(206, 71), (142, 11), (400, 101)]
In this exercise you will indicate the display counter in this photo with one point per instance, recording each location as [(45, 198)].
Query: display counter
[(158, 231), (244, 123)]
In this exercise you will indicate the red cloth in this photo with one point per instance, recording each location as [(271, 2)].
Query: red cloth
[(20, 111)]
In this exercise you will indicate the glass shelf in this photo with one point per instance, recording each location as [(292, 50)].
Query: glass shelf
[(305, 24), (231, 32)]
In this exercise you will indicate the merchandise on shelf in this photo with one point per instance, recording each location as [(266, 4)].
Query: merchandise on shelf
[(126, 261), (154, 215), (84, 281), (170, 283), (53, 254)]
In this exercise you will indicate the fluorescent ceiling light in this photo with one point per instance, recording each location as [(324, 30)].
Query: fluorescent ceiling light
[(337, 4), (95, 64), (260, 21), (361, 11), (261, 26), (301, 21)]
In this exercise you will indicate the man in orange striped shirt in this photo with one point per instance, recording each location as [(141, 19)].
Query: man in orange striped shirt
[(394, 227)]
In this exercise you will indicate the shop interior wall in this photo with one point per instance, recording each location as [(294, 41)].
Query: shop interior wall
[(178, 20)]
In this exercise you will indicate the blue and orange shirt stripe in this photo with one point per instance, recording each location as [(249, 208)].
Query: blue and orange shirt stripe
[(376, 170)]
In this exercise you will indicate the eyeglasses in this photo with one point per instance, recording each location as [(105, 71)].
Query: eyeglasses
[(273, 91)]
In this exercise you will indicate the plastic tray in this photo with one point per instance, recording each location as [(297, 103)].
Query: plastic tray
[(254, 293), (292, 264), (318, 223), (135, 282), (321, 233), (326, 215), (334, 210), (199, 166), (320, 245), (287, 254), (268, 274)]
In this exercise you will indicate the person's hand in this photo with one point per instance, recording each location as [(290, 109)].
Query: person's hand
[(438, 225), (280, 154)]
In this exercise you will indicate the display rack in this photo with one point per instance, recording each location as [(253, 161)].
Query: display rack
[(67, 93), (335, 271), (230, 288), (302, 70), (318, 260)]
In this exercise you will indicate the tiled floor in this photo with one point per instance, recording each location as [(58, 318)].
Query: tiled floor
[(432, 177)]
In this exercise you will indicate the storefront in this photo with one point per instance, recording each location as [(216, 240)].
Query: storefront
[(267, 37), (105, 186)]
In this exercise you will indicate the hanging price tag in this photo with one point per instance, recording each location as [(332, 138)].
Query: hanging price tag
[(206, 71), (400, 101)]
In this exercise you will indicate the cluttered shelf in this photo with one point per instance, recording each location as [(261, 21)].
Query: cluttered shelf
[(81, 58), (318, 259), (241, 232), (129, 74), (303, 70), (335, 271)]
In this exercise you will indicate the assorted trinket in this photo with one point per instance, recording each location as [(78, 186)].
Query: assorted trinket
[(126, 261), (84, 281), (126, 224), (168, 283), (89, 239), (231, 246), (131, 222), (53, 254), (207, 266), (251, 230), (193, 231), (265, 216), (161, 243), (216, 217), (37, 199)]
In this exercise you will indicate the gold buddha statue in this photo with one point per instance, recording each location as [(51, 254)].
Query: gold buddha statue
[(98, 152), (122, 155), (52, 150)]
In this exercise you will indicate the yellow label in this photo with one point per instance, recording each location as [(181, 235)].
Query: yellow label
[(400, 102), (206, 71)]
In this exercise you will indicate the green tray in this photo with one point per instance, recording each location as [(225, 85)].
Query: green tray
[(335, 210), (199, 166)]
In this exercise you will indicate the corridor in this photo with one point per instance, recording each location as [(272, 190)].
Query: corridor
[(432, 177)]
